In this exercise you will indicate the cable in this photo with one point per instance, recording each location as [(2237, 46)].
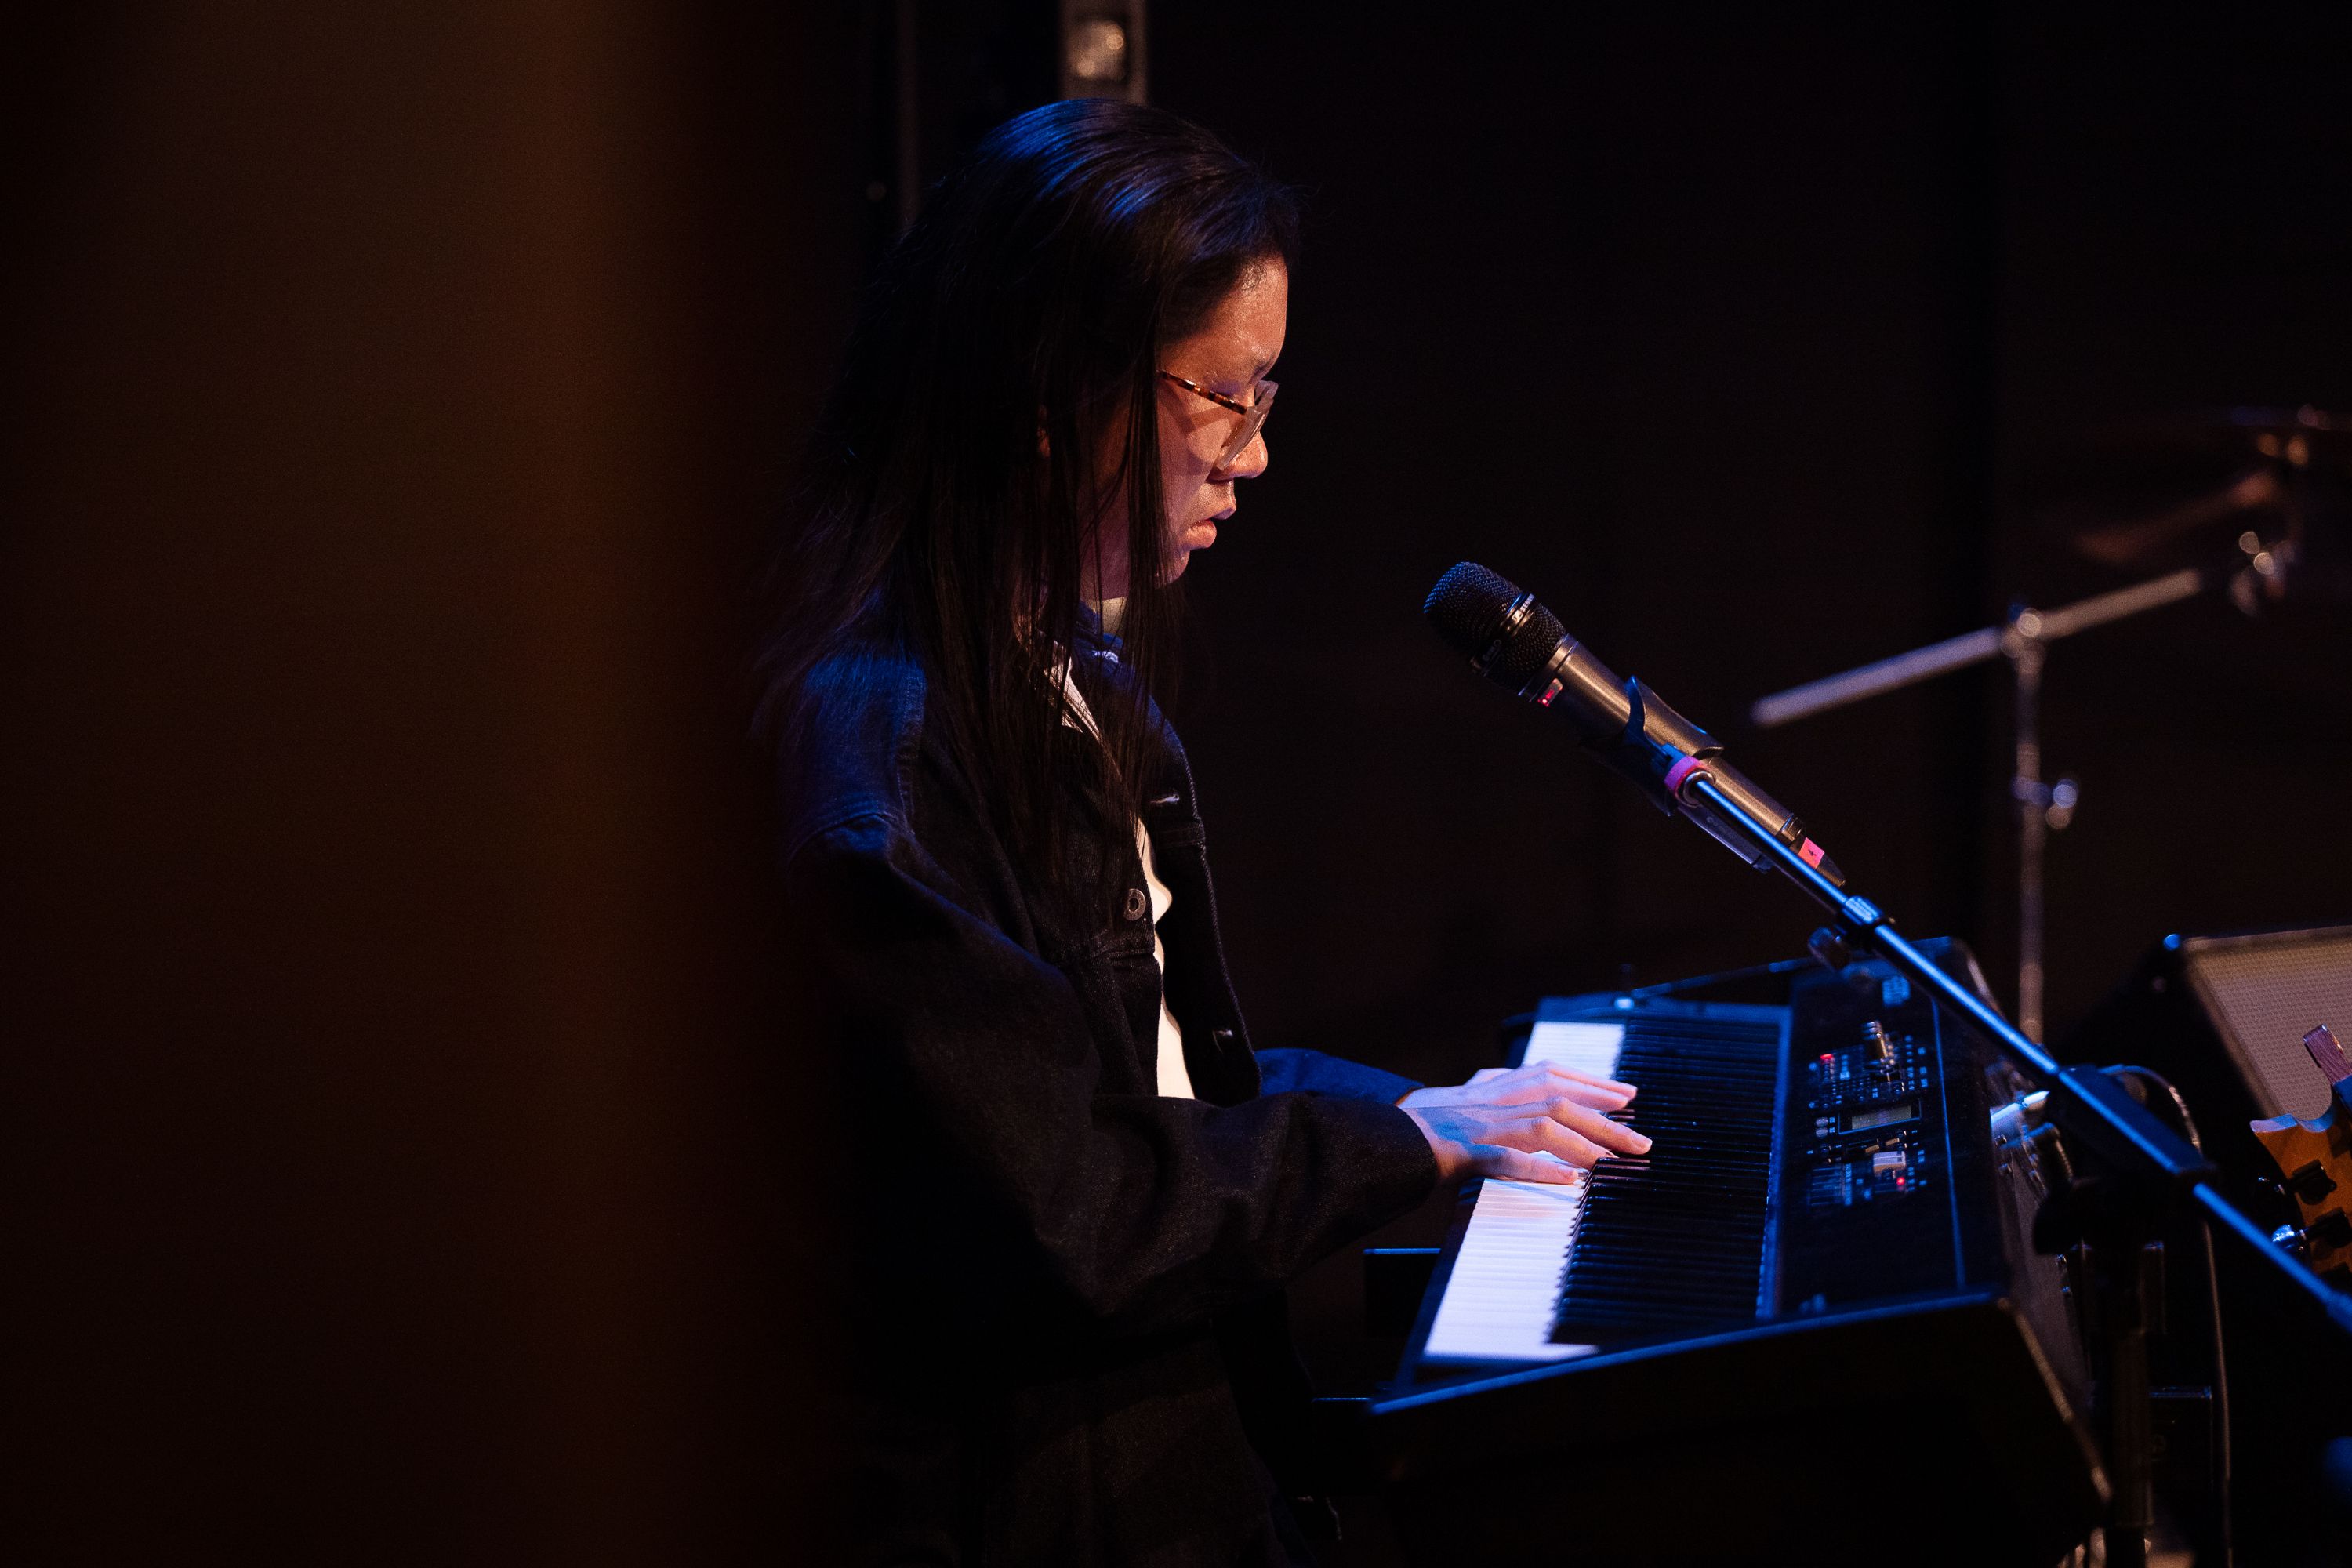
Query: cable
[(2180, 1106)]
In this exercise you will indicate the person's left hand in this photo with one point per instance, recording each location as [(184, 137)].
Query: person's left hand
[(1517, 1086), (1539, 1123)]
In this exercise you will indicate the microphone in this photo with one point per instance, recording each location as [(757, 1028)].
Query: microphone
[(1515, 642)]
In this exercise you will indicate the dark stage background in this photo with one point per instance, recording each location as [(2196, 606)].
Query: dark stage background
[(414, 1149)]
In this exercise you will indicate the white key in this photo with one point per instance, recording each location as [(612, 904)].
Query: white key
[(1504, 1291)]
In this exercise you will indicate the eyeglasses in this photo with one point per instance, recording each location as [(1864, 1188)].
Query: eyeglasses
[(1253, 414)]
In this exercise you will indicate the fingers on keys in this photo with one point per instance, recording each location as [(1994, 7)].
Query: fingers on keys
[(1572, 1133), (1573, 1075), (1549, 1080), (1523, 1165)]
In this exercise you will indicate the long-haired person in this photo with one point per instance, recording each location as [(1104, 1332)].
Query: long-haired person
[(1079, 1187)]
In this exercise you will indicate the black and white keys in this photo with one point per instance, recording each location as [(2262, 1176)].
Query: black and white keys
[(1503, 1295)]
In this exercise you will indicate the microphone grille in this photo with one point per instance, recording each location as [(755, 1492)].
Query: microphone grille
[(1467, 608)]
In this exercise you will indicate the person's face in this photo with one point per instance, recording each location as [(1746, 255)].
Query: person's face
[(1229, 356)]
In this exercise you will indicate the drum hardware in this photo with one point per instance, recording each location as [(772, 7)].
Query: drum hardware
[(2287, 472)]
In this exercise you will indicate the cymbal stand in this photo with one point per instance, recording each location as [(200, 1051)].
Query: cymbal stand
[(2041, 807)]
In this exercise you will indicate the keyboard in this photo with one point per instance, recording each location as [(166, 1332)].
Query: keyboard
[(1807, 1323), (1673, 1239)]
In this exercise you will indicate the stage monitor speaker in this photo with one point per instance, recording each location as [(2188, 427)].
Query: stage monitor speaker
[(2240, 1002), (2264, 992)]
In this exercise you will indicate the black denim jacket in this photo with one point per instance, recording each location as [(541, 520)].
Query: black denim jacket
[(1067, 1284)]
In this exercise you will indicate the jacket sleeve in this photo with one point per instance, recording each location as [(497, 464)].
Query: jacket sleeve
[(1312, 1072), (1138, 1211)]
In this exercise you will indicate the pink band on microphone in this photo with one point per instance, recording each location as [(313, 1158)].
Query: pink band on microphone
[(1679, 773)]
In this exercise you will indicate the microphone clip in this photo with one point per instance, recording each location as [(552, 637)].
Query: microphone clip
[(1657, 748)]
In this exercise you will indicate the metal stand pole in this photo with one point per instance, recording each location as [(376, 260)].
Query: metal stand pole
[(2025, 653), (2122, 1267), (2042, 808)]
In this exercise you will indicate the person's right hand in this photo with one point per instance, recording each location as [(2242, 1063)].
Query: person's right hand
[(1537, 1123)]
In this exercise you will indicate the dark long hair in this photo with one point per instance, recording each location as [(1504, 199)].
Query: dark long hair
[(1005, 355)]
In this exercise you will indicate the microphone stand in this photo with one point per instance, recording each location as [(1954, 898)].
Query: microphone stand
[(2148, 1172)]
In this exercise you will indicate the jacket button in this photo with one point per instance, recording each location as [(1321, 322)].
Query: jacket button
[(1138, 906)]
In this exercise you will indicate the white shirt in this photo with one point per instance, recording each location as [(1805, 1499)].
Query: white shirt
[(1175, 1081)]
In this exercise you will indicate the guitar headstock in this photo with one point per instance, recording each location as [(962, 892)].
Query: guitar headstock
[(2315, 1162), (2335, 1063)]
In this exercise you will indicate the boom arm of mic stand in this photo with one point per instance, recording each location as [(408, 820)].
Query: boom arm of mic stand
[(1969, 648), (2084, 1102)]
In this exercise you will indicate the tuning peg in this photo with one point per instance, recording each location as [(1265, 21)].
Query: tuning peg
[(2310, 1182)]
